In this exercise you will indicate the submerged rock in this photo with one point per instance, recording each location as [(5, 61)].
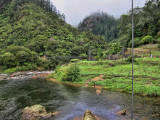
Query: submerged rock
[(98, 91), (36, 112), (88, 115), (122, 112)]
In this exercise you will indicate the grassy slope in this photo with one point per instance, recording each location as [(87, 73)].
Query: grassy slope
[(117, 74), (145, 50)]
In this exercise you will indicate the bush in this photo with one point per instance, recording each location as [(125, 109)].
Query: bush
[(74, 60), (20, 68), (114, 48), (72, 73), (48, 64), (22, 57), (129, 59), (158, 40), (34, 57), (137, 42), (15, 49), (67, 73), (147, 39), (8, 60)]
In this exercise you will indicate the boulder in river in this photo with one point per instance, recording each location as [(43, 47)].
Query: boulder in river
[(88, 115), (98, 91), (122, 112), (36, 112)]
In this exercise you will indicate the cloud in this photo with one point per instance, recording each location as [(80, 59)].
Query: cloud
[(76, 10)]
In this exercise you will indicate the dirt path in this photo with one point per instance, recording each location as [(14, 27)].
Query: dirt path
[(94, 80), (98, 78)]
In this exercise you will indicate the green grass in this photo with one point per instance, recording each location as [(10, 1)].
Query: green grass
[(17, 69), (117, 75), (155, 51)]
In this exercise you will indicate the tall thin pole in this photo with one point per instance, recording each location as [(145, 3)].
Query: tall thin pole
[(132, 60)]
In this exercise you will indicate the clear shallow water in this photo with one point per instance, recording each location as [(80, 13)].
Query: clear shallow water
[(71, 101)]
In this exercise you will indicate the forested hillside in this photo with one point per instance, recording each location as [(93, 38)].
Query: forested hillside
[(146, 19), (147, 25), (33, 33), (100, 23)]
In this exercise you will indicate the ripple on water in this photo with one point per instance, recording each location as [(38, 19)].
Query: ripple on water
[(71, 101)]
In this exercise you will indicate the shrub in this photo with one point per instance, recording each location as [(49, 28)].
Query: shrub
[(129, 59), (137, 42), (48, 64), (67, 73), (158, 40), (15, 49), (34, 57), (114, 48), (8, 60), (147, 39), (72, 73), (22, 57), (74, 60)]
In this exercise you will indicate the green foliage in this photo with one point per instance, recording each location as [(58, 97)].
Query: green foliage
[(68, 73), (8, 60), (147, 23), (129, 59), (137, 42), (72, 74), (48, 64), (117, 75), (113, 48), (158, 40), (147, 39), (74, 60), (20, 68), (102, 24), (37, 44), (23, 55), (31, 30)]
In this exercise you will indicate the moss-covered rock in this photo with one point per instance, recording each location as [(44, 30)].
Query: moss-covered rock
[(88, 115), (36, 112)]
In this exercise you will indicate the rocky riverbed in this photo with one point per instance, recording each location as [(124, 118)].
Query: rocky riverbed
[(25, 75)]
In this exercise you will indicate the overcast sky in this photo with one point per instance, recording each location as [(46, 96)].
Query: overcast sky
[(76, 10)]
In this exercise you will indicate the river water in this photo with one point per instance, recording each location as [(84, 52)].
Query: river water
[(72, 101)]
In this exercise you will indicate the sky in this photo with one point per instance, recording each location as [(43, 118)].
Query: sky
[(76, 10)]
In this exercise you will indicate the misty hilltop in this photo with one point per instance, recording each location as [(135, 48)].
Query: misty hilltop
[(100, 23)]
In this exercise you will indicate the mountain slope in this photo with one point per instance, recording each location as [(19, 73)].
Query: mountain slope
[(100, 23), (146, 25), (31, 28)]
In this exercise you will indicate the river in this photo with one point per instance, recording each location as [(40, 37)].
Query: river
[(72, 101)]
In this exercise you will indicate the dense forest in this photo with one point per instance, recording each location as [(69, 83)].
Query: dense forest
[(147, 25), (34, 33), (100, 23)]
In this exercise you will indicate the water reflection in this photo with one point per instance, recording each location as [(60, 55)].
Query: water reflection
[(72, 101)]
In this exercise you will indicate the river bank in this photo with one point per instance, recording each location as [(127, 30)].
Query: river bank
[(25, 75), (117, 75), (112, 75)]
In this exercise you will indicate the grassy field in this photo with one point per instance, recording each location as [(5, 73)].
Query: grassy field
[(117, 75)]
